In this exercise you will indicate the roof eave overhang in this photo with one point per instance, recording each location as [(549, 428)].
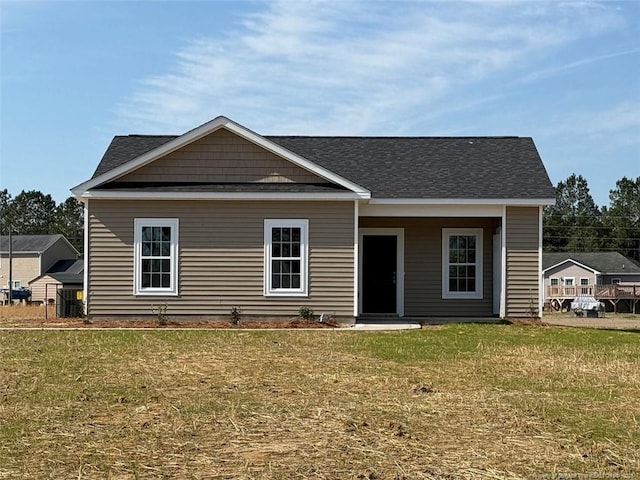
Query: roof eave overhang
[(204, 130), (532, 202), (574, 262), (130, 195)]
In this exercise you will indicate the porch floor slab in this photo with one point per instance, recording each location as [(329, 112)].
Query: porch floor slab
[(407, 323)]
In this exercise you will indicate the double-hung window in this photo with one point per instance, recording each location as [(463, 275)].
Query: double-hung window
[(156, 256), (286, 257), (461, 263)]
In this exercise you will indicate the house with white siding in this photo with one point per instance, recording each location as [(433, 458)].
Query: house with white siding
[(222, 217)]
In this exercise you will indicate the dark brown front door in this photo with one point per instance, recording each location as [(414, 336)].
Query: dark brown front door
[(379, 263)]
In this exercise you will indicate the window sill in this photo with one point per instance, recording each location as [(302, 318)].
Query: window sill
[(464, 296), (166, 293), (286, 294)]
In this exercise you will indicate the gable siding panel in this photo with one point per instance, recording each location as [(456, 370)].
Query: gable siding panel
[(222, 157), (60, 250), (221, 258), (523, 267)]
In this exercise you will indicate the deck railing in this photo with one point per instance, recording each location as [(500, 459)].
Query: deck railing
[(618, 291)]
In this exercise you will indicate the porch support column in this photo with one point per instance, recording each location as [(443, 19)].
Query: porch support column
[(540, 278), (503, 273), (356, 256), (85, 255)]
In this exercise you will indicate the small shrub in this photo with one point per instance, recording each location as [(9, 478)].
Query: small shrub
[(533, 308), (235, 315), (306, 313), (160, 311)]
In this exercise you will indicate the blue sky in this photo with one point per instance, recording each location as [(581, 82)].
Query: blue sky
[(74, 74)]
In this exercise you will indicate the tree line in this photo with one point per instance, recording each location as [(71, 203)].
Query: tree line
[(576, 224), (34, 213)]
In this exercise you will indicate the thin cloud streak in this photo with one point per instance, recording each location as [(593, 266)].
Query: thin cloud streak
[(325, 68), (552, 71)]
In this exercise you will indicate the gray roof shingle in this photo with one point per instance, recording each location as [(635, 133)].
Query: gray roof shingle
[(603, 262), (69, 271), (402, 167), (28, 243)]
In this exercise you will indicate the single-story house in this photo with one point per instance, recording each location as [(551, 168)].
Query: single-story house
[(32, 256), (222, 217), (64, 274)]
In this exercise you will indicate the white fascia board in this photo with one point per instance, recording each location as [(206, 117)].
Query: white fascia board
[(512, 202), (204, 130), (125, 195), (399, 210), (574, 262)]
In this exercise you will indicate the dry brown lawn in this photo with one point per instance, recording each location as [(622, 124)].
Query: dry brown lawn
[(461, 401)]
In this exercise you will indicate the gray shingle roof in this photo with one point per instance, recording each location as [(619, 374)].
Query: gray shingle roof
[(402, 167), (68, 271), (28, 243), (603, 262)]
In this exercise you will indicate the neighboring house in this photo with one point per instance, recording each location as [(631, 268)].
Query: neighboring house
[(604, 275), (32, 256), (64, 274), (223, 217)]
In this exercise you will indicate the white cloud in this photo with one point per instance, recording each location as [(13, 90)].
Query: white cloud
[(616, 126), (352, 67)]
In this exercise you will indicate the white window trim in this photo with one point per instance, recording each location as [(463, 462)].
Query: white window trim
[(573, 281), (557, 279), (303, 224), (138, 223), (446, 232), (585, 284)]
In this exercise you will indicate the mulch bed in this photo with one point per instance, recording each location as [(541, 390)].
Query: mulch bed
[(152, 324)]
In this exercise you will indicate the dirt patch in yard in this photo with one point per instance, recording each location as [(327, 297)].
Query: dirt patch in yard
[(610, 321)]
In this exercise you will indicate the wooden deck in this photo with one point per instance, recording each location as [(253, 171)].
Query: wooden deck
[(559, 297)]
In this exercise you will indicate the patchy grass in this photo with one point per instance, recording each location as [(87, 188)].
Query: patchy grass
[(460, 401)]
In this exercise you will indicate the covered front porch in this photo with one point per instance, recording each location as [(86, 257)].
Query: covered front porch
[(448, 261), (428, 267)]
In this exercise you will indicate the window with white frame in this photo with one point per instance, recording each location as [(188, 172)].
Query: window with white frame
[(461, 263), (286, 257), (569, 281), (156, 256), (615, 281), (584, 286), (555, 282)]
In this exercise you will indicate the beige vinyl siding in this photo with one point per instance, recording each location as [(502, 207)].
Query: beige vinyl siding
[(423, 265), (25, 267), (44, 285), (221, 257), (523, 267), (222, 156), (569, 269)]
